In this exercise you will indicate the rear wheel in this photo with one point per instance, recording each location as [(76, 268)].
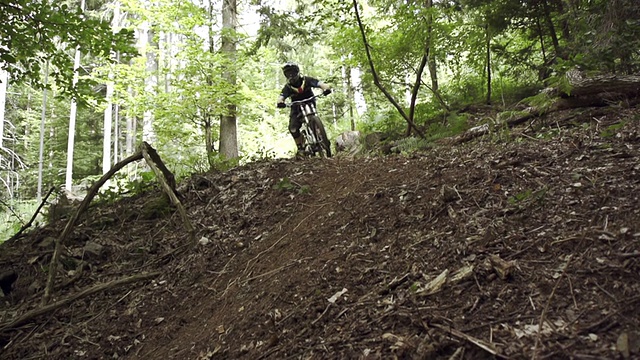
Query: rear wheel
[(318, 129)]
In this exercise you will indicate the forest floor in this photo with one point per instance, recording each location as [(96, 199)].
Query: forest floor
[(518, 245)]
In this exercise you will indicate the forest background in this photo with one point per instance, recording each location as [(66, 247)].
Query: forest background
[(83, 84)]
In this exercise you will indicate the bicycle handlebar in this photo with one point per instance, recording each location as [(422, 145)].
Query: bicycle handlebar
[(289, 104)]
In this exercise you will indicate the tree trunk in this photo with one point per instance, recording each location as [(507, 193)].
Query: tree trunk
[(72, 120), (350, 95), (106, 135), (488, 44), (42, 123), (552, 30), (433, 70), (149, 47), (4, 78), (228, 126), (108, 110), (376, 78)]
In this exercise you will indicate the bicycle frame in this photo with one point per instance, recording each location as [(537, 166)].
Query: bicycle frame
[(307, 107)]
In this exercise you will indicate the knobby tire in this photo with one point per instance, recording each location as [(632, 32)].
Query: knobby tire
[(318, 129)]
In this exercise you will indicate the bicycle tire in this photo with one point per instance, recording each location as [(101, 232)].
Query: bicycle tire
[(318, 129)]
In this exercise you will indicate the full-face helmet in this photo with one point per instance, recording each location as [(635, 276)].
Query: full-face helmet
[(292, 72)]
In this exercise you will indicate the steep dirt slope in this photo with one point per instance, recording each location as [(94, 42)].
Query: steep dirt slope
[(521, 249)]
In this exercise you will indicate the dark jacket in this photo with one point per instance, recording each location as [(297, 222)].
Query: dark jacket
[(303, 92)]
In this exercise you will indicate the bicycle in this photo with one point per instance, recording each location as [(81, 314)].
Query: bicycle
[(316, 141)]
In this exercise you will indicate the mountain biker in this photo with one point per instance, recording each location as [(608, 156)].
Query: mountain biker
[(298, 87)]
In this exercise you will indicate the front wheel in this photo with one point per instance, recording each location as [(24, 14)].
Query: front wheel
[(321, 135)]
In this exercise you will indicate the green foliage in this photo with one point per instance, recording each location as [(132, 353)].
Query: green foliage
[(388, 121), (287, 185), (220, 163), (520, 197), (156, 207), (123, 185), (35, 32), (410, 145), (14, 214), (191, 92), (455, 124), (528, 195), (612, 130), (464, 91), (542, 101)]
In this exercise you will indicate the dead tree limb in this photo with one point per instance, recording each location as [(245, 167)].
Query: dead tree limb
[(376, 78), (53, 265), (166, 179), (27, 225), (95, 289)]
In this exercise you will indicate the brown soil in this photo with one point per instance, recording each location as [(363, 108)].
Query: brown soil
[(523, 245)]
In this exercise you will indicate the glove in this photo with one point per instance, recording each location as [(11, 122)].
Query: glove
[(281, 105), (326, 92)]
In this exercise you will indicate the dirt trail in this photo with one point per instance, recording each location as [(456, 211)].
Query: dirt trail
[(520, 250)]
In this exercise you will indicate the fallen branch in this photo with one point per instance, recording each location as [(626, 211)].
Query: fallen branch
[(53, 265), (166, 179), (164, 176), (95, 289)]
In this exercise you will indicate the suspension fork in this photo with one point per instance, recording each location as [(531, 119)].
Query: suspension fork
[(306, 110)]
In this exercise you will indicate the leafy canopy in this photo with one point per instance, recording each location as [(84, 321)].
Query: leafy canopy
[(32, 32)]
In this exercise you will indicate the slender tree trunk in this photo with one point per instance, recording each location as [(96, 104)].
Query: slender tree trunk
[(116, 133), (72, 119), (149, 47), (108, 111), (348, 84), (433, 70), (564, 24), (130, 136), (42, 122), (52, 136), (488, 44), (108, 124), (207, 115), (552, 30), (4, 78), (376, 78), (358, 96), (228, 125)]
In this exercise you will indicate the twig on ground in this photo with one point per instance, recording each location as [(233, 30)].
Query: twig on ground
[(459, 354), (477, 342), (629, 255), (573, 296), (546, 308), (274, 270), (95, 289), (321, 315)]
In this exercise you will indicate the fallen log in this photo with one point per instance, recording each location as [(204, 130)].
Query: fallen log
[(580, 92)]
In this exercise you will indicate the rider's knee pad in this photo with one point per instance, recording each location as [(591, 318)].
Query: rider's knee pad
[(295, 132)]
